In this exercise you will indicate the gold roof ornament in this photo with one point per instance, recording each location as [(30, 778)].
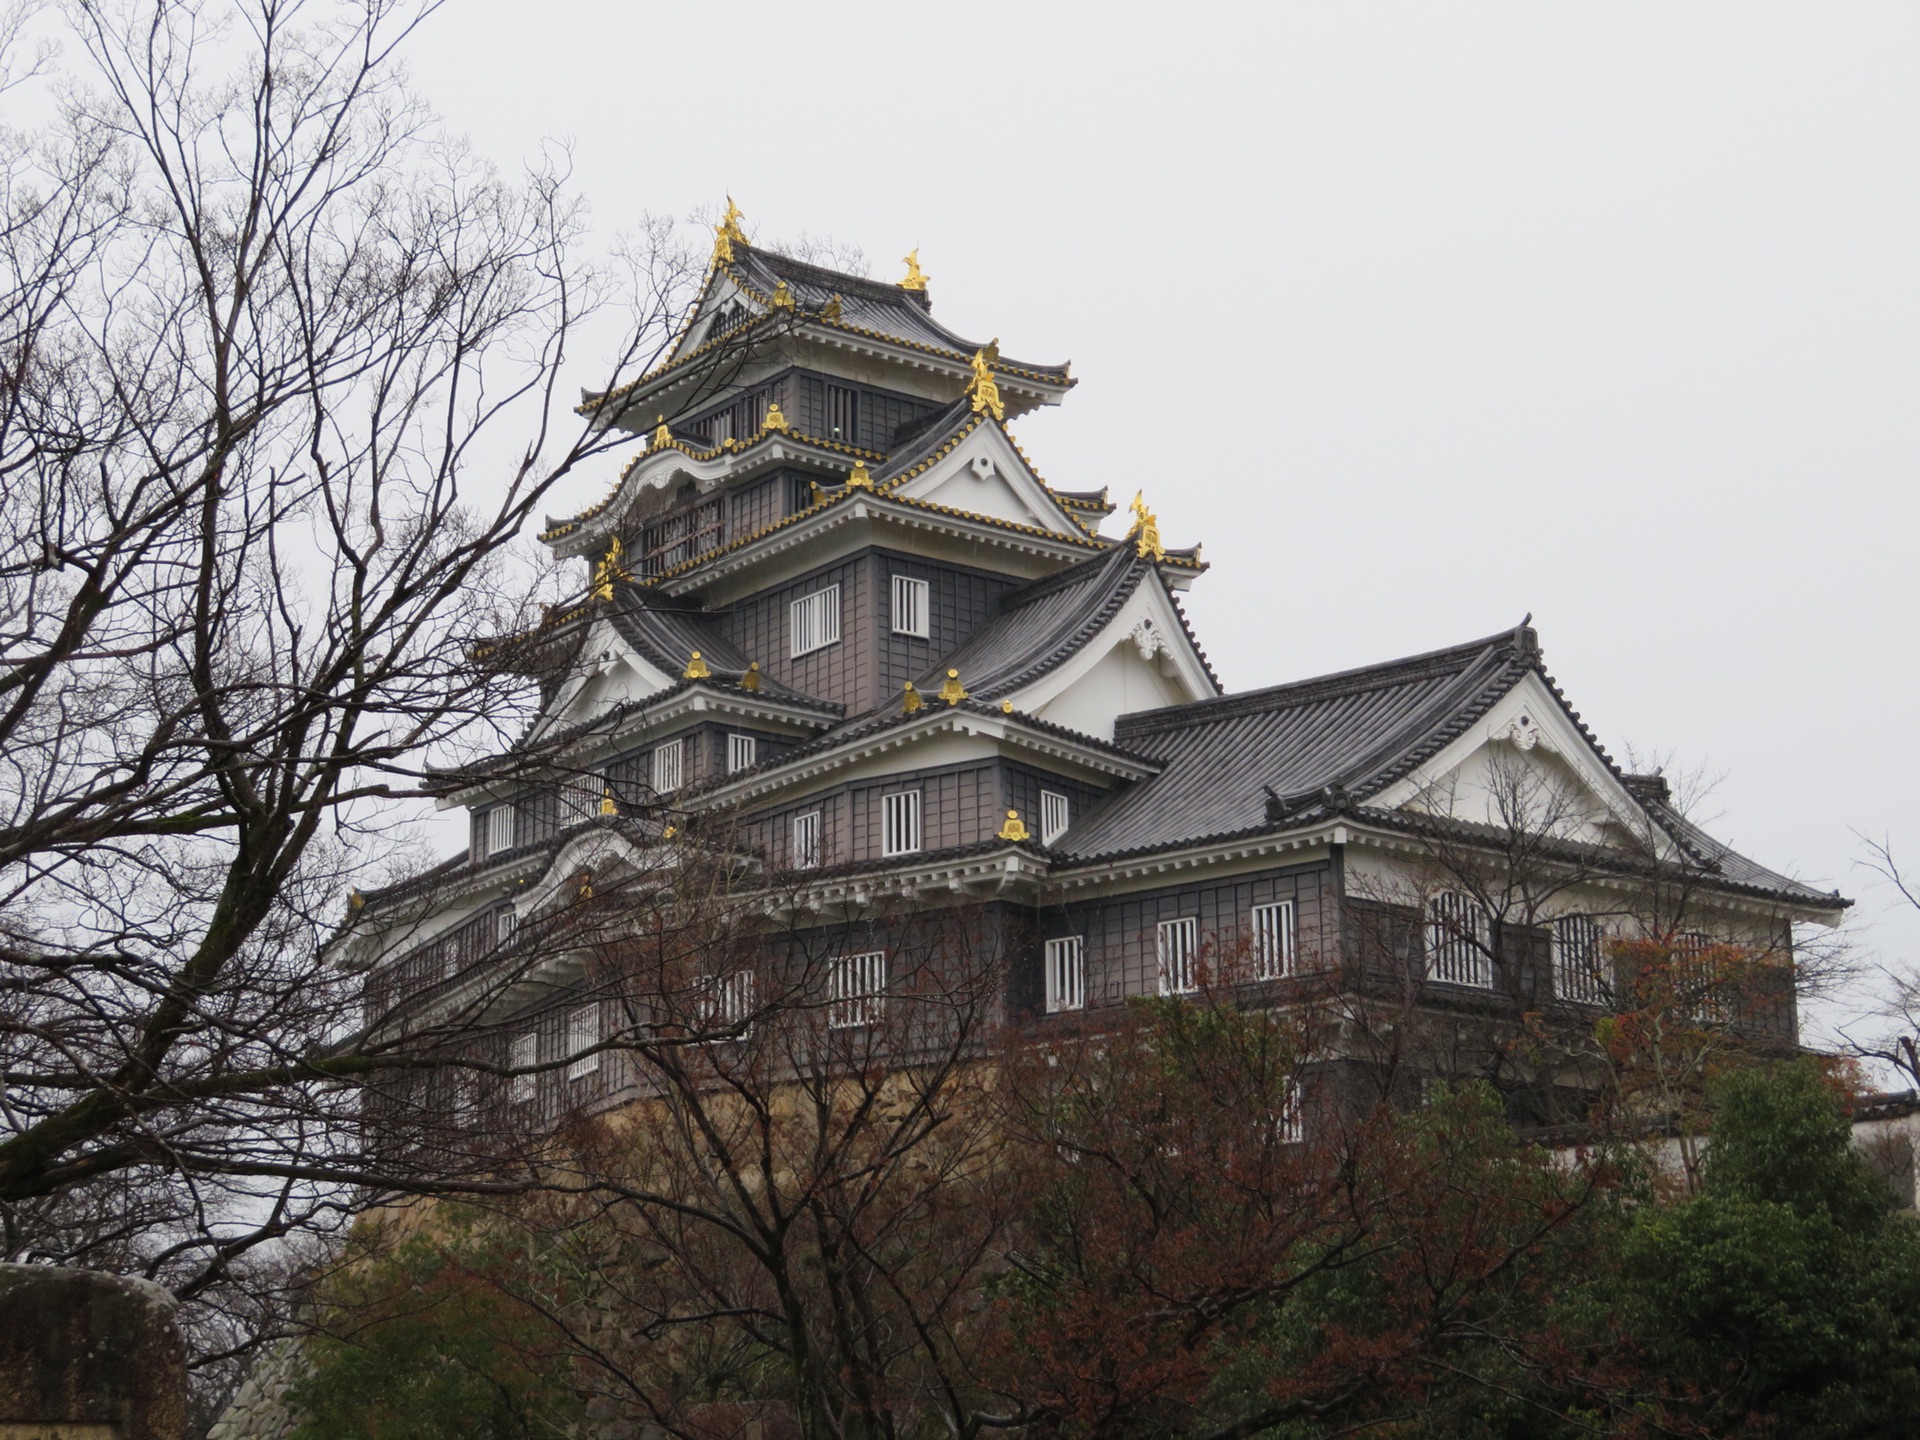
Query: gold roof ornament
[(662, 436), (696, 669), (911, 701), (355, 900), (782, 296), (607, 804), (1146, 530), (916, 277), (751, 680), (1006, 707), (728, 233), (1015, 828), (609, 570), (831, 310), (858, 478), (669, 833), (775, 420), (953, 692), (982, 387)]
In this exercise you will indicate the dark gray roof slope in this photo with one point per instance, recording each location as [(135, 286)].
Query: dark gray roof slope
[(1039, 626), (1729, 865), (865, 304), (1354, 733), (668, 638)]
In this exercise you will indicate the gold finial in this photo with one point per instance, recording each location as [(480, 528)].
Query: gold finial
[(775, 420), (586, 885), (696, 669), (831, 310), (609, 570), (1146, 530), (916, 277), (1006, 707), (911, 701), (751, 680), (607, 805), (1014, 829), (355, 900), (662, 437), (668, 833), (953, 692), (728, 233), (782, 296), (858, 478), (983, 389)]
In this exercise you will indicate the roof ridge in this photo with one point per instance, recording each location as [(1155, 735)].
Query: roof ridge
[(1335, 683)]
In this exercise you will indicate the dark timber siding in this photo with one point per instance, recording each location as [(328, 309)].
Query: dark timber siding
[(959, 602), (842, 672)]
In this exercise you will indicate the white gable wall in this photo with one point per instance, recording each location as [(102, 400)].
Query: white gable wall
[(985, 475)]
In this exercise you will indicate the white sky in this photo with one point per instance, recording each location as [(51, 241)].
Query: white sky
[(1420, 316)]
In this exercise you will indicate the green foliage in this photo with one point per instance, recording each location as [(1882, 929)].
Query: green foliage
[(416, 1346)]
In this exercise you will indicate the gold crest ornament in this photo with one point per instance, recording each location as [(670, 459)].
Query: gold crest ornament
[(953, 692), (983, 388), (775, 420), (696, 669), (1146, 530), (1015, 828), (916, 277), (662, 437), (782, 297), (910, 700), (858, 478), (751, 680), (607, 805)]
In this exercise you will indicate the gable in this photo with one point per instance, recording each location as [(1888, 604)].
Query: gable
[(1142, 659), (985, 475), (608, 672), (1526, 764)]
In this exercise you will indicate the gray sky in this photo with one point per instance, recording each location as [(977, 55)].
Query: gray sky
[(1420, 316)]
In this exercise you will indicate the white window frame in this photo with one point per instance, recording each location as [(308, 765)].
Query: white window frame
[(813, 622), (522, 1051), (805, 851), (580, 797), (741, 750), (900, 823), (583, 1033), (910, 604), (1290, 1121), (1056, 814), (667, 767), (856, 990), (1177, 949), (1579, 959), (1455, 936), (1066, 971), (500, 828), (724, 1002), (1272, 927)]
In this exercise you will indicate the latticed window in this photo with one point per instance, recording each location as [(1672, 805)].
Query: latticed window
[(667, 767), (843, 414), (909, 606), (723, 1002), (1457, 951), (1700, 989), (499, 829), (583, 1033), (857, 990), (1273, 940), (1178, 945), (1055, 816), (580, 797), (805, 854), (523, 1053), (1289, 1121), (900, 823), (813, 621), (740, 752), (1066, 974), (1579, 954)]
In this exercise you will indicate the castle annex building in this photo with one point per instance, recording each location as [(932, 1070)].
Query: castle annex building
[(832, 600)]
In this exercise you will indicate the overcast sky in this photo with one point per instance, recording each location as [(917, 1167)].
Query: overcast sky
[(1420, 317)]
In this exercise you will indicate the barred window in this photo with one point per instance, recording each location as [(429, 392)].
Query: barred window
[(843, 414), (666, 767), (723, 1002), (1579, 947), (1066, 974), (1697, 986), (583, 1033), (523, 1053), (900, 828), (1273, 940), (1289, 1121), (1178, 946), (857, 990), (1457, 941), (580, 797), (814, 621), (1055, 816), (805, 854), (499, 830), (740, 752), (909, 606)]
